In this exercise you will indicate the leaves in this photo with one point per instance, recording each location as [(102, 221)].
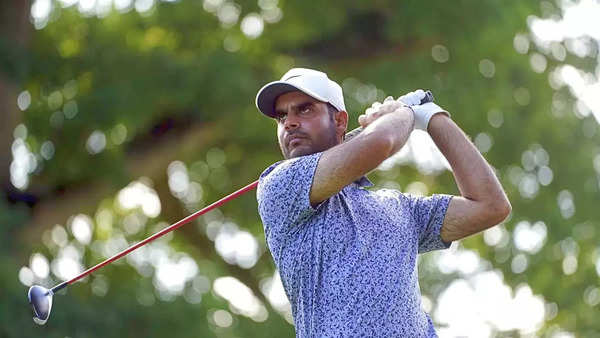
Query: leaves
[(177, 82)]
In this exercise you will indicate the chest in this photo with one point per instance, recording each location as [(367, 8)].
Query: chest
[(358, 226)]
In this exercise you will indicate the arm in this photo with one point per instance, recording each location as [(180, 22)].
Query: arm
[(483, 202), (341, 165)]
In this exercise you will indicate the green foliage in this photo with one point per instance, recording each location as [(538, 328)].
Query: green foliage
[(181, 84)]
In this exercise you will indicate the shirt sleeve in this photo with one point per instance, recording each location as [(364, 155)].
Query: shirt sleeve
[(428, 213), (283, 196)]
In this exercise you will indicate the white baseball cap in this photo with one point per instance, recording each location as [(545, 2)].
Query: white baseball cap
[(311, 82)]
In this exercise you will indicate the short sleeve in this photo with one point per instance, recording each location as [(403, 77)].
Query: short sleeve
[(429, 213), (283, 195)]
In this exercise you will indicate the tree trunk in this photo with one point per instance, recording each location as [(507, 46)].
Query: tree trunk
[(15, 30)]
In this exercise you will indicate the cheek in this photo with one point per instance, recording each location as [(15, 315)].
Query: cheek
[(326, 126)]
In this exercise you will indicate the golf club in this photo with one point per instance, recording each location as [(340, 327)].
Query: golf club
[(40, 298)]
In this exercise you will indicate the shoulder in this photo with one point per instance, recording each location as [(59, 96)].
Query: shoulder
[(283, 192), (288, 176), (268, 170), (299, 166)]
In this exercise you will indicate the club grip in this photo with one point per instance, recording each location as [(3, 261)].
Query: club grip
[(351, 134)]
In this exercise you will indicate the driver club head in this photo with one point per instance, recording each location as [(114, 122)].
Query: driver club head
[(40, 299)]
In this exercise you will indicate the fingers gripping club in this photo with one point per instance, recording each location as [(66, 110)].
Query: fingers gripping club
[(351, 134)]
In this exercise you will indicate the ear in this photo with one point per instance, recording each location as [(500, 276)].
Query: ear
[(341, 122)]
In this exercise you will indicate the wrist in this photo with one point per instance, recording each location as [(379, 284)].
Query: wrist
[(401, 124), (436, 121), (425, 112)]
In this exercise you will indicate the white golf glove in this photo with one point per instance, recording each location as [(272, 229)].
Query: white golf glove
[(423, 112)]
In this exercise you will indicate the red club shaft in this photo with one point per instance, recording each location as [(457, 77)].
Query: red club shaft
[(164, 231)]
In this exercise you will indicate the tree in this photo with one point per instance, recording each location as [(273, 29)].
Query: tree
[(163, 95)]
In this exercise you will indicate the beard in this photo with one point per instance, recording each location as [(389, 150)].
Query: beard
[(312, 146)]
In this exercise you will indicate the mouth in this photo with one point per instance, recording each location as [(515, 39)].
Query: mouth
[(295, 140)]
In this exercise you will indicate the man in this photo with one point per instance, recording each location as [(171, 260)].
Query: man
[(346, 255)]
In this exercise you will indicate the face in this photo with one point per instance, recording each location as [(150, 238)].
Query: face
[(304, 125)]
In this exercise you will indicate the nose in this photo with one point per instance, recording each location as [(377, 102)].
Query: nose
[(291, 122)]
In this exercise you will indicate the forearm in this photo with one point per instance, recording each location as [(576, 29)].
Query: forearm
[(395, 127), (341, 165), (474, 177)]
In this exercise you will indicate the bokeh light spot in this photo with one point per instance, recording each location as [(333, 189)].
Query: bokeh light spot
[(530, 238), (118, 134), (417, 188), (59, 235), (440, 53), (252, 25), (70, 109), (47, 150), (26, 276), (566, 204), (483, 142), (96, 142), (81, 227), (519, 263), (55, 100), (240, 297), (228, 14), (495, 118), (20, 131), (538, 62), (487, 68), (522, 96), (39, 265), (24, 100), (521, 43), (100, 285), (222, 318)]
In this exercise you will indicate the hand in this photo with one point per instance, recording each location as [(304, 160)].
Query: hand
[(377, 110), (423, 112)]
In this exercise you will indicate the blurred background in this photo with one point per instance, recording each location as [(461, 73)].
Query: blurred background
[(120, 117)]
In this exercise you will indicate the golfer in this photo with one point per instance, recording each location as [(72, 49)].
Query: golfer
[(347, 256)]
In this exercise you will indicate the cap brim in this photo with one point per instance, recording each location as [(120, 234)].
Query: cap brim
[(265, 99)]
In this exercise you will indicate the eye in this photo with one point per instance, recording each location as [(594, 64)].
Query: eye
[(306, 109), (280, 117)]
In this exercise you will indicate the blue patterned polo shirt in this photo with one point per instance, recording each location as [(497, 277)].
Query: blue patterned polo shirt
[(349, 265)]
